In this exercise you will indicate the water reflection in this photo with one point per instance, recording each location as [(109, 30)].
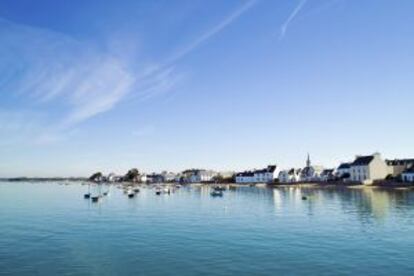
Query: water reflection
[(366, 202)]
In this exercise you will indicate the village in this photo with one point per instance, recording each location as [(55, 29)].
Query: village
[(366, 170)]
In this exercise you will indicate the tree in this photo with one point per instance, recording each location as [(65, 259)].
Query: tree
[(132, 175), (96, 177)]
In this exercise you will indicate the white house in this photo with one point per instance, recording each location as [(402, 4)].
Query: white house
[(143, 178), (398, 166), (344, 171), (367, 169), (197, 176), (245, 177), (408, 175), (267, 175), (327, 175), (168, 176), (290, 176), (112, 177)]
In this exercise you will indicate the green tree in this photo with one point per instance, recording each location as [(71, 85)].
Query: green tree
[(132, 175), (96, 177)]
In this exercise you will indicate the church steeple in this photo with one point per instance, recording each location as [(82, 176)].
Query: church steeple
[(308, 161)]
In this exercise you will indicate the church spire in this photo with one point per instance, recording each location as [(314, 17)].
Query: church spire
[(308, 161)]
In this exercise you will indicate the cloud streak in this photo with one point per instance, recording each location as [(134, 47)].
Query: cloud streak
[(76, 81), (284, 27), (57, 70), (213, 31)]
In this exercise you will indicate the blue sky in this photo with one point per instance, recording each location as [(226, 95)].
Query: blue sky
[(109, 85)]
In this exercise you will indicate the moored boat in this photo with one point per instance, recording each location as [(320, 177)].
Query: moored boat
[(219, 188), (216, 193)]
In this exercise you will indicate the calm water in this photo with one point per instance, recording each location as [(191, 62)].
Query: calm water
[(49, 229)]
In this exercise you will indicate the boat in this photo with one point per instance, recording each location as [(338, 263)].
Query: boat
[(216, 193), (136, 190), (95, 198), (167, 190), (219, 188), (130, 193), (88, 194), (158, 191)]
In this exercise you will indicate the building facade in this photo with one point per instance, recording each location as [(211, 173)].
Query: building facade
[(197, 176), (398, 166), (367, 169), (408, 175), (344, 171), (328, 175), (266, 175), (290, 176), (310, 172)]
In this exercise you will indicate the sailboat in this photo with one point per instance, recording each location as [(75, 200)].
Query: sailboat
[(97, 197), (88, 194)]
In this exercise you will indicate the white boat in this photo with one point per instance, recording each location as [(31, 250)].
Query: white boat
[(130, 193)]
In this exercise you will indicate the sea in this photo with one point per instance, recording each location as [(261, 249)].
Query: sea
[(49, 228)]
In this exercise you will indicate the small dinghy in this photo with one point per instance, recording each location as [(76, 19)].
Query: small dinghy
[(216, 193), (158, 191), (88, 194), (219, 189), (130, 194)]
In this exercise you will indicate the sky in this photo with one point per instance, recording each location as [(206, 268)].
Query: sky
[(105, 85)]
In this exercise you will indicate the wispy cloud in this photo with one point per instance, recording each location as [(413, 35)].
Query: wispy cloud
[(76, 81), (56, 69), (213, 31), (284, 27)]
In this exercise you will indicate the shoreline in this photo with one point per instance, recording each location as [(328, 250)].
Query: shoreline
[(333, 184)]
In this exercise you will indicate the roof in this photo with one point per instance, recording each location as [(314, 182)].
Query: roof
[(400, 162), (344, 166), (328, 171), (294, 171), (269, 169), (363, 160), (245, 174)]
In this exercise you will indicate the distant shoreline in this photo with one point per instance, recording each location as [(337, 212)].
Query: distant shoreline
[(333, 184), (42, 179)]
